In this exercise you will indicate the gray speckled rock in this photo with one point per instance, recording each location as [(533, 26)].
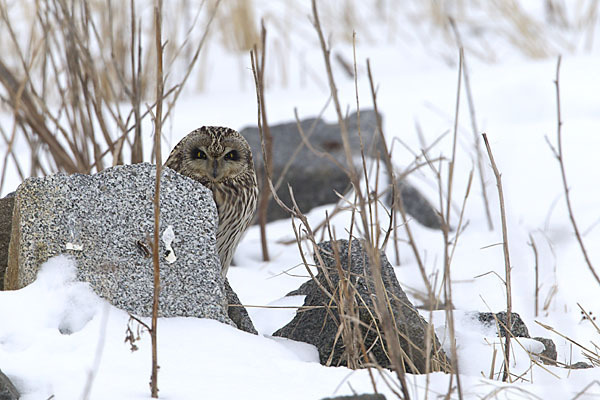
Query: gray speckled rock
[(105, 221), (318, 326)]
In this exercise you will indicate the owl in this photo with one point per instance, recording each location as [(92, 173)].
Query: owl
[(220, 159)]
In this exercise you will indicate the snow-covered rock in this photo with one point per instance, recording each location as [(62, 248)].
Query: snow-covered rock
[(105, 222)]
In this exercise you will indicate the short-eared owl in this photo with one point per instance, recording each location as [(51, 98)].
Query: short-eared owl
[(221, 159)]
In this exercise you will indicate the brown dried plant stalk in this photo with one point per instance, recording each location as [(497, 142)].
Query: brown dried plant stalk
[(365, 221), (507, 267), (385, 317), (560, 157), (158, 156), (445, 216), (476, 140), (257, 59), (76, 83)]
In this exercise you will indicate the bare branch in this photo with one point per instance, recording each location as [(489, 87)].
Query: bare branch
[(563, 174), (158, 156)]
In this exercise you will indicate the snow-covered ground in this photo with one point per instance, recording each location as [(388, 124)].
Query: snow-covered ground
[(515, 105)]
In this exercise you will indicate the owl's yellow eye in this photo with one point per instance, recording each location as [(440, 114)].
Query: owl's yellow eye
[(232, 155), (201, 155)]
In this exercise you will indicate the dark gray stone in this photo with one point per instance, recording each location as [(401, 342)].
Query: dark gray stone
[(416, 205), (6, 208), (7, 389), (315, 179), (318, 326), (580, 365), (236, 312), (105, 221), (549, 355), (518, 327), (358, 397), (303, 290)]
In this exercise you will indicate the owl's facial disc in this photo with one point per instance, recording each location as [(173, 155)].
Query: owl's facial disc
[(217, 166)]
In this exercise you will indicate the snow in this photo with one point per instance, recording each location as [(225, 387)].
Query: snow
[(59, 339)]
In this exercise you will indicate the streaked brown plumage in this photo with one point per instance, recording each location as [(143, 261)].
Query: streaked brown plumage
[(221, 159)]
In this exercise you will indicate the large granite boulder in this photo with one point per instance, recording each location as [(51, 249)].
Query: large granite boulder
[(105, 221), (317, 321), (314, 179)]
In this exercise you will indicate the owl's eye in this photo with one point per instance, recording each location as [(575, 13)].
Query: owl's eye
[(233, 155), (201, 155)]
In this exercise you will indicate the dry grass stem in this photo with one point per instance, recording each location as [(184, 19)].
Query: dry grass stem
[(445, 213), (257, 60), (537, 277), (73, 77), (592, 355), (370, 232), (507, 266), (585, 389), (476, 139)]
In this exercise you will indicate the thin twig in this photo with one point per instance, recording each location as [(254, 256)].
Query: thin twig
[(158, 157), (396, 355), (536, 268), (476, 139), (258, 71), (560, 157), (447, 280), (506, 373)]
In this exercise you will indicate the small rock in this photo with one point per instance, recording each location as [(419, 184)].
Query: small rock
[(580, 365), (358, 397), (549, 355), (7, 389), (318, 323), (518, 327)]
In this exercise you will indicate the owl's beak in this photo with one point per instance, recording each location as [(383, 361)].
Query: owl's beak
[(214, 171)]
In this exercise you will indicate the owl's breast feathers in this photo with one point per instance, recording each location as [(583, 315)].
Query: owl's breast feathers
[(236, 203), (241, 189)]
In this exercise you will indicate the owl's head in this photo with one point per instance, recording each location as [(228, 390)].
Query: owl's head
[(212, 154)]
